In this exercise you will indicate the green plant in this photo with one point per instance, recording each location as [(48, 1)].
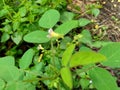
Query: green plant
[(56, 59)]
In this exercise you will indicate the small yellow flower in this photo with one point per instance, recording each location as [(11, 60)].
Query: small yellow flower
[(96, 26), (52, 34), (118, 0)]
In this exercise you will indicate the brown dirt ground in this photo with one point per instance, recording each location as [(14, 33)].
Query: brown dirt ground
[(109, 17), (111, 8)]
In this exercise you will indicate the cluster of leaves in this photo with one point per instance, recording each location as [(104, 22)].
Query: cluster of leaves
[(60, 59)]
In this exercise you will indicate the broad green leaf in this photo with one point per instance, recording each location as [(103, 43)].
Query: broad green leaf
[(112, 52), (67, 54), (83, 22), (2, 84), (26, 59), (36, 37), (18, 85), (49, 18), (17, 37), (66, 27), (66, 16), (85, 58), (95, 12), (9, 73), (7, 60), (102, 79), (5, 36), (86, 37), (67, 77)]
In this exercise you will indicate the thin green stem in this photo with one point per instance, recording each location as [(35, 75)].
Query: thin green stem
[(41, 79), (53, 54), (38, 79)]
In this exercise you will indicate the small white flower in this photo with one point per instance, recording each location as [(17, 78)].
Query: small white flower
[(53, 34), (40, 47), (50, 30), (90, 81)]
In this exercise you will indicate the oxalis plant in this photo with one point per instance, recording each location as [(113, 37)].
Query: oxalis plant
[(60, 62)]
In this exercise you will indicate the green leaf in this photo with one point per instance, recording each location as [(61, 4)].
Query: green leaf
[(84, 48), (102, 79), (67, 54), (66, 27), (9, 73), (38, 68), (26, 59), (66, 16), (36, 37), (95, 12), (42, 2), (87, 39), (18, 85), (67, 77), (49, 18), (22, 11), (64, 42), (3, 12), (16, 25), (7, 60), (56, 63), (17, 37), (5, 36), (84, 83), (30, 86), (2, 84), (99, 44), (112, 52), (8, 29), (83, 22), (86, 57)]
